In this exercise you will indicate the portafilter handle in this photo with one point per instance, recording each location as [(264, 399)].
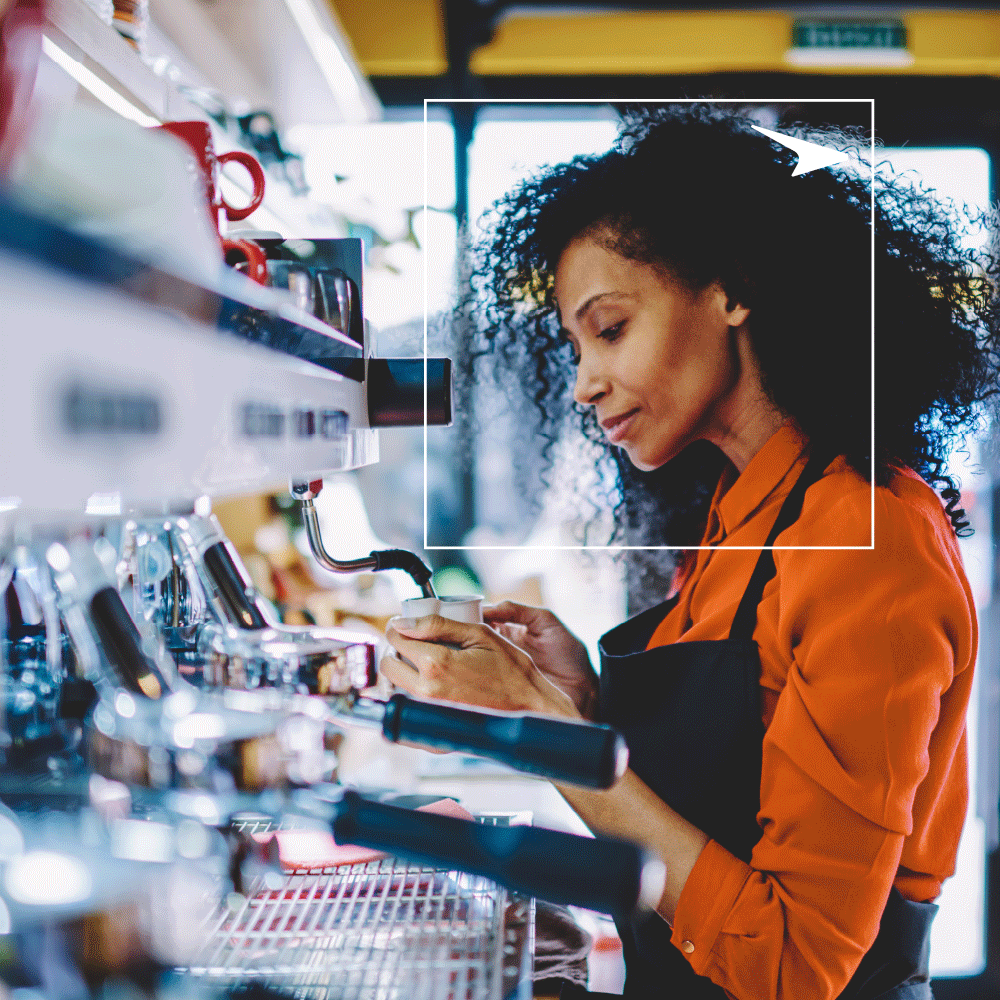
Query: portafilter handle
[(561, 750), (374, 562), (92, 609), (609, 876)]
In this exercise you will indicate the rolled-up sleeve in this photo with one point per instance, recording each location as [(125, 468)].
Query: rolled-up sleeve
[(873, 641)]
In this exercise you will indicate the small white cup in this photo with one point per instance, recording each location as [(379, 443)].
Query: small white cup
[(467, 608)]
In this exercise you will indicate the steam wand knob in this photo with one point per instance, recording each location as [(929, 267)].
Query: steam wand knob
[(306, 493)]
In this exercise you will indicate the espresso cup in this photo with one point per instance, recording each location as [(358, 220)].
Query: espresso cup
[(337, 302), (467, 608), (296, 279), (248, 257), (198, 136)]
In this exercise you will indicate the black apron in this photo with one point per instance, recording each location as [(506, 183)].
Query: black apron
[(690, 714)]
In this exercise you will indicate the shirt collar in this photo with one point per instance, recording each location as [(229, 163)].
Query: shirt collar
[(737, 497)]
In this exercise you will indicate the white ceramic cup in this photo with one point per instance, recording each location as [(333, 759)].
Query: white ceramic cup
[(467, 608)]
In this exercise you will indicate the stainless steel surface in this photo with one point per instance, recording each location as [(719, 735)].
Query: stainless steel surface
[(377, 931), (311, 520)]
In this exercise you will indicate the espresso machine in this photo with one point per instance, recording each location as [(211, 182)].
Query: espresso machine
[(160, 724)]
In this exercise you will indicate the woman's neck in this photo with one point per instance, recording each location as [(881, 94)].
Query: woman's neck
[(747, 417), (749, 430)]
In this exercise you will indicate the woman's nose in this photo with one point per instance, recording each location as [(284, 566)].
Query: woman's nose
[(590, 384)]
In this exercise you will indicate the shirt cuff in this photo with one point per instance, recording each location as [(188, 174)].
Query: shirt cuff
[(709, 894)]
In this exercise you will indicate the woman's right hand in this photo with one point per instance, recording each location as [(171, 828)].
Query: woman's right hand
[(557, 653)]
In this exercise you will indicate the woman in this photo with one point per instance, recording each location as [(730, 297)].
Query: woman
[(795, 717)]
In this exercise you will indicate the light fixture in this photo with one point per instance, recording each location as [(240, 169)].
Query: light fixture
[(91, 81), (856, 56), (47, 878)]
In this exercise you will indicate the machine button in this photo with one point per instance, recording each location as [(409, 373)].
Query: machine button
[(332, 423), (261, 420), (305, 423)]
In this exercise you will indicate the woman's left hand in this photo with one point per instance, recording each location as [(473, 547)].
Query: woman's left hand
[(477, 667)]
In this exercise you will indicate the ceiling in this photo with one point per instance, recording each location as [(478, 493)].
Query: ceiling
[(408, 38)]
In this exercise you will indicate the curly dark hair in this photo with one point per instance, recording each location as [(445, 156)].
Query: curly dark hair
[(694, 189)]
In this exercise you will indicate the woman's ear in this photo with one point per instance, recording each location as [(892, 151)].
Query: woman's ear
[(737, 312)]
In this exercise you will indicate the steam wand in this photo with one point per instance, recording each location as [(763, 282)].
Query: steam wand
[(410, 563)]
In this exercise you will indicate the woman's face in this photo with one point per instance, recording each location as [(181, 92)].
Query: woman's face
[(658, 363)]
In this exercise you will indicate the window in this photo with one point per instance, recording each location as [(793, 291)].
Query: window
[(958, 935)]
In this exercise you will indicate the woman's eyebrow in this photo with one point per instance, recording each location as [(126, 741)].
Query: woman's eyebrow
[(582, 310)]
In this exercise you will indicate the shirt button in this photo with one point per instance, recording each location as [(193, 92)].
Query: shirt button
[(687, 947)]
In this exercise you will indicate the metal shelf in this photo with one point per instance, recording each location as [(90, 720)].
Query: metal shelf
[(83, 36), (298, 81)]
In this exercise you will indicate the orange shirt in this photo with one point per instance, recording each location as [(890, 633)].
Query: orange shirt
[(866, 667)]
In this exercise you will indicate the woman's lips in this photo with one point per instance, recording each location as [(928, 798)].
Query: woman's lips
[(617, 428)]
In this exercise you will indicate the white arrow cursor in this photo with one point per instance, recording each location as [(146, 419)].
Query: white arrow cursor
[(812, 156)]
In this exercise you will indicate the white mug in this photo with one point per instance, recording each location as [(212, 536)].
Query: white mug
[(468, 608)]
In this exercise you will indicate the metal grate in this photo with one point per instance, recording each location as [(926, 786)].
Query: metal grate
[(382, 930)]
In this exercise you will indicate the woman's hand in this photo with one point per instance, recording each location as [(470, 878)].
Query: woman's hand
[(456, 661), (557, 653)]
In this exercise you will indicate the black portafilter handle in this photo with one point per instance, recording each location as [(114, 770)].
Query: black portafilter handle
[(122, 643), (576, 753), (609, 876)]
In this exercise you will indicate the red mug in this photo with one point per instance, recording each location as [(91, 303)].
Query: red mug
[(253, 253), (198, 137), (20, 48)]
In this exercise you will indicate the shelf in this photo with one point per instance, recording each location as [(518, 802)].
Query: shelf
[(79, 33), (104, 63), (253, 60)]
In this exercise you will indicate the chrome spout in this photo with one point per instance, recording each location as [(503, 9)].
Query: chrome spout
[(374, 562)]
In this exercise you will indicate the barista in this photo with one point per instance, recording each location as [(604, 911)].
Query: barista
[(795, 716)]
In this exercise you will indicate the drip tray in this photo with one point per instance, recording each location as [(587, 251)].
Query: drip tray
[(383, 930)]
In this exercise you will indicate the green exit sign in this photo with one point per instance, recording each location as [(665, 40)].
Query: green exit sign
[(810, 33)]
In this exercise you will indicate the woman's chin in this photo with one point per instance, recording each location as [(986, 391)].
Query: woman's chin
[(648, 459), (643, 462)]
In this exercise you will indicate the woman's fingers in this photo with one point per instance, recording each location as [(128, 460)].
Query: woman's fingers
[(401, 674), (433, 628), (461, 662), (512, 633), (507, 612)]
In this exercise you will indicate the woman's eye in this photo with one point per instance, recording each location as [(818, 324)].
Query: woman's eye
[(612, 332)]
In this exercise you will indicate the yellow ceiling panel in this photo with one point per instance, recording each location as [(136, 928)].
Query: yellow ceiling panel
[(395, 37), (406, 38), (955, 37), (667, 42), (632, 43)]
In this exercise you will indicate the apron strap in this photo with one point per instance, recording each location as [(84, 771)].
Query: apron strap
[(745, 620)]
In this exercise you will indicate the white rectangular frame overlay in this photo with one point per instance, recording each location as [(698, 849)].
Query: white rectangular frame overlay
[(656, 548)]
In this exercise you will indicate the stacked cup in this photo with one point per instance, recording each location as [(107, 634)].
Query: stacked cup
[(131, 18), (207, 165)]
